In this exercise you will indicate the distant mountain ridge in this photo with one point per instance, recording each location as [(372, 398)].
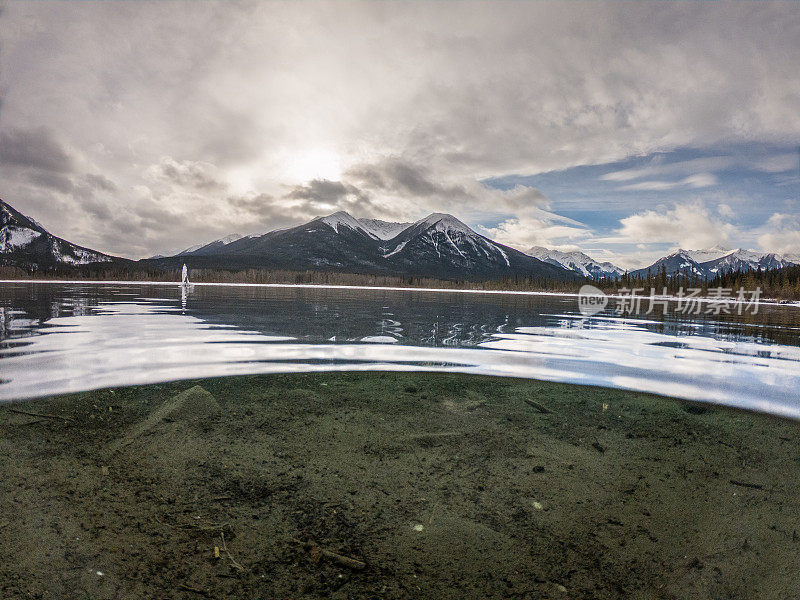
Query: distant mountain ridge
[(383, 230), (26, 244), (708, 263), (209, 248), (577, 262), (438, 246)]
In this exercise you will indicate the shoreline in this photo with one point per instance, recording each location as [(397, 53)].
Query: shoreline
[(394, 485), (731, 301)]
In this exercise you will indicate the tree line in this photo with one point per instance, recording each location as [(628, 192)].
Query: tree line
[(782, 284)]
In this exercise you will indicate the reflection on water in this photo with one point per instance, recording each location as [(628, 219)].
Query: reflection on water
[(68, 337)]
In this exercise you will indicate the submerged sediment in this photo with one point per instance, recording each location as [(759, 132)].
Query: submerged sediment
[(392, 485)]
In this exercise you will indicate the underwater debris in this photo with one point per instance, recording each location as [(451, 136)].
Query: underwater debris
[(541, 408), (317, 552)]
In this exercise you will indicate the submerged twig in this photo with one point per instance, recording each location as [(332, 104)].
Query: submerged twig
[(234, 564), (211, 527), (42, 415), (317, 551), (542, 409), (189, 588), (754, 486)]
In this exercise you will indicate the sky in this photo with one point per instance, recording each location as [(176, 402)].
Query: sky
[(622, 129)]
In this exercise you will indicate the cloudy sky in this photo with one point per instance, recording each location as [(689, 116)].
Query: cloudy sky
[(622, 129)]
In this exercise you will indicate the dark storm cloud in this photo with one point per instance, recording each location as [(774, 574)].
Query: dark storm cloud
[(323, 191), (54, 181), (260, 204), (321, 196), (267, 212), (98, 208), (187, 173), (400, 176), (35, 149), (99, 182)]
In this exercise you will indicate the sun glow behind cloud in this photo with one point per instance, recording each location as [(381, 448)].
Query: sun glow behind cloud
[(313, 163)]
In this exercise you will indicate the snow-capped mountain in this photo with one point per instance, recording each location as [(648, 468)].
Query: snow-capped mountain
[(442, 246), (706, 254), (678, 262), (26, 244), (211, 247), (333, 242), (341, 219), (383, 230), (746, 260), (437, 246), (380, 230), (709, 263), (578, 262)]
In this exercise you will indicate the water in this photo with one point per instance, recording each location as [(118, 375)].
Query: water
[(57, 338)]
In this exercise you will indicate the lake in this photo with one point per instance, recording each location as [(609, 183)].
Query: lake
[(67, 337)]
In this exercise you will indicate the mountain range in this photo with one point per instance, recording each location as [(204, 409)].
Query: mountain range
[(708, 263), (578, 262), (438, 246), (26, 244)]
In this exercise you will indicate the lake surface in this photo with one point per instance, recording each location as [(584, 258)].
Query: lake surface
[(66, 337)]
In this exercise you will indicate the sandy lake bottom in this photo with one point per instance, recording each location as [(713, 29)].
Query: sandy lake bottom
[(394, 485)]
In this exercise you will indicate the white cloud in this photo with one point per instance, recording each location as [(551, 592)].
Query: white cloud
[(700, 171), (781, 234), (700, 180), (658, 167), (786, 241), (725, 210), (688, 225), (643, 257), (527, 231), (650, 186), (779, 163)]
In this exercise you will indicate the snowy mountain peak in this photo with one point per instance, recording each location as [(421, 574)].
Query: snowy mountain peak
[(705, 254), (751, 255), (444, 222), (342, 219), (228, 239), (9, 216), (16, 230), (576, 261), (711, 262), (191, 249), (25, 242), (15, 238), (383, 230)]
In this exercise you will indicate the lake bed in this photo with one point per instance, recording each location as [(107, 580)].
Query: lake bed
[(395, 485)]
